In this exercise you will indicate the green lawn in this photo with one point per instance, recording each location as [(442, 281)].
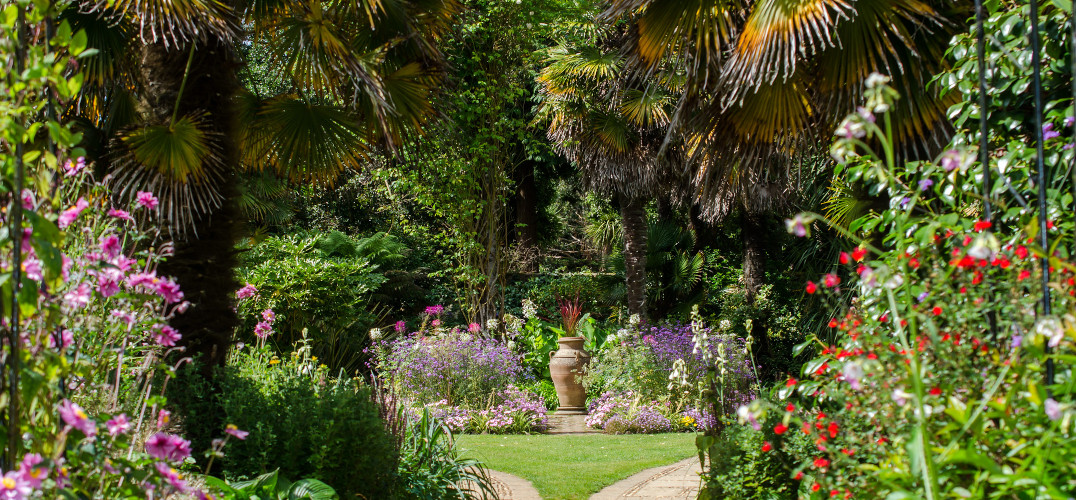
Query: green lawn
[(571, 467)]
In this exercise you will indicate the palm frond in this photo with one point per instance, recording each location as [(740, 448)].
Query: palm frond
[(174, 23)]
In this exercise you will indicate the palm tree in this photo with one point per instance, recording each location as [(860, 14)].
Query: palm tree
[(612, 128), (163, 110), (767, 80)]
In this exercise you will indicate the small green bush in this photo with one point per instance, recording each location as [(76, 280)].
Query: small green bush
[(306, 424), (741, 470)]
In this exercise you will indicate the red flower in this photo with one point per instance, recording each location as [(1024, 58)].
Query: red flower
[(935, 392), (913, 263), (859, 253), (1021, 251), (834, 493), (780, 429), (1025, 274), (790, 408), (798, 476), (832, 429), (937, 310), (844, 257), (791, 382), (982, 225), (811, 287), (820, 462), (816, 487), (833, 323), (872, 356), (766, 446), (882, 440), (831, 280)]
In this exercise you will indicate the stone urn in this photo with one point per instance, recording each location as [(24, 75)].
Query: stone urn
[(567, 366)]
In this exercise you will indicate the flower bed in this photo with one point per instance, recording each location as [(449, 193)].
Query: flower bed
[(627, 413)]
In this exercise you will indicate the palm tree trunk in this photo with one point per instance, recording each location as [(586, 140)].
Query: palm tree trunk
[(527, 216), (633, 214), (203, 263), (754, 254)]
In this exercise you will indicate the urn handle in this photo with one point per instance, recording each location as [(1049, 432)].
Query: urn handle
[(551, 353)]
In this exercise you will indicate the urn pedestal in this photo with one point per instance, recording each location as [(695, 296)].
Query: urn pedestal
[(567, 365)]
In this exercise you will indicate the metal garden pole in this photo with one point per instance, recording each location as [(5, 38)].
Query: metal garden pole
[(1044, 239)]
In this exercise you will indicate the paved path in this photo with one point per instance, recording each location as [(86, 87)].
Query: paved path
[(679, 481)]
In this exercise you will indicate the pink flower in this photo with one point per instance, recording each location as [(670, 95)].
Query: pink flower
[(474, 328), (123, 263), (118, 425), (163, 417), (435, 310), (27, 199), (146, 199), (173, 477), (32, 268), (72, 169), (169, 291), (436, 323), (246, 292), (263, 329), (120, 214), (401, 326), (142, 279), (166, 336), (68, 216), (108, 282), (31, 469), (66, 339), (124, 316), (269, 316), (168, 447), (234, 431), (110, 245), (79, 297), (14, 487), (74, 416)]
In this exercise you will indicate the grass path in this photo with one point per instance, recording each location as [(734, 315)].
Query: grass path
[(574, 466)]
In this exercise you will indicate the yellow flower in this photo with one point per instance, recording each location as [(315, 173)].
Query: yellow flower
[(274, 361), (686, 420)]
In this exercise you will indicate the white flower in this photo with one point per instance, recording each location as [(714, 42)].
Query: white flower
[(492, 324), (900, 397), (876, 80), (1050, 328), (852, 374), (724, 325), (529, 309), (375, 334), (633, 320), (1053, 409)]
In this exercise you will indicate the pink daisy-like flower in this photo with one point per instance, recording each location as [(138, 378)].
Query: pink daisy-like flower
[(108, 282), (234, 431), (14, 487), (268, 315), (68, 216), (72, 168), (168, 447), (118, 425), (146, 199), (263, 329), (110, 245), (174, 478), (166, 336), (120, 214), (163, 417), (246, 292), (31, 469), (74, 416), (66, 339), (169, 290), (79, 297)]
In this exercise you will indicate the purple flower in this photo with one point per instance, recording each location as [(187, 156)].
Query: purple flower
[(120, 214), (146, 199), (168, 447), (118, 425), (1070, 120), (166, 335), (74, 416), (246, 292), (68, 216), (925, 184), (797, 226), (1048, 132)]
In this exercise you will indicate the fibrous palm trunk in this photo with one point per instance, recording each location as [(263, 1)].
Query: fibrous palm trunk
[(633, 215), (754, 253), (203, 262)]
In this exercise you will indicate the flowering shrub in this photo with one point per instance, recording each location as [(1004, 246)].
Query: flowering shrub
[(627, 413), (937, 383), (515, 411), (645, 360), (458, 367)]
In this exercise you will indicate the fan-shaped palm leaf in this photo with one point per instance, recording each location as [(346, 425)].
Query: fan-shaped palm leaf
[(181, 163), (175, 23)]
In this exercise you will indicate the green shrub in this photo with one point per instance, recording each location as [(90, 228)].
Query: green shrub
[(318, 284), (431, 467), (306, 424), (741, 470)]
